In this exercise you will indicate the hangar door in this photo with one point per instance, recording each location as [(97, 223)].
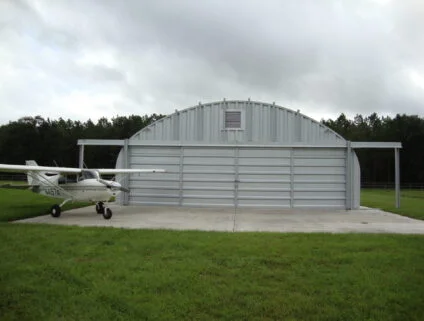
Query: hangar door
[(239, 176)]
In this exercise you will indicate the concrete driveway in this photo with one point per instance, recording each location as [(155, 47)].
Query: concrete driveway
[(365, 220)]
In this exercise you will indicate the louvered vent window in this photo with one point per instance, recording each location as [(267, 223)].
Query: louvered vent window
[(233, 119)]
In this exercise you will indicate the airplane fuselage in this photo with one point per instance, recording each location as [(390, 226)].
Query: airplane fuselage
[(87, 190)]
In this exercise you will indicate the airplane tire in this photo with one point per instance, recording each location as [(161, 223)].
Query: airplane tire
[(107, 214), (100, 208), (55, 210)]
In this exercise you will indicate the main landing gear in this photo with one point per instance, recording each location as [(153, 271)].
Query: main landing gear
[(106, 211), (56, 210)]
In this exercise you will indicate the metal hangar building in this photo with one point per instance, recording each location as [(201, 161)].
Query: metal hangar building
[(242, 154)]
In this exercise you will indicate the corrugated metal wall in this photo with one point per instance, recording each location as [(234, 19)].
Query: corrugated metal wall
[(239, 176), (278, 158)]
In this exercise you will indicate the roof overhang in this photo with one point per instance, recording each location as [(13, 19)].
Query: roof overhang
[(375, 145), (101, 142), (339, 144)]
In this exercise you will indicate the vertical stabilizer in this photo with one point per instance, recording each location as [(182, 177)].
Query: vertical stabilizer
[(30, 177)]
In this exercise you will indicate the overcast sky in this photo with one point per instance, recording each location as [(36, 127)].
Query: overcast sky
[(92, 58)]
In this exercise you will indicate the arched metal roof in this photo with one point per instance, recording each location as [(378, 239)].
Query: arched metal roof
[(262, 123)]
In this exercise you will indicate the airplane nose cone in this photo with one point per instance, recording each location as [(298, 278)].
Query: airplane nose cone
[(118, 187), (115, 185)]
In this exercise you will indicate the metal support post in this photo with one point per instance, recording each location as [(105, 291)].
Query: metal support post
[(126, 165), (81, 156), (291, 177), (236, 176), (397, 177), (181, 181), (349, 168)]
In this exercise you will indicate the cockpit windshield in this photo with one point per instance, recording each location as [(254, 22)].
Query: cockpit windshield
[(87, 174)]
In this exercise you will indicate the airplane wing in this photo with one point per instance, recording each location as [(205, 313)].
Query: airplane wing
[(127, 170), (71, 170), (34, 168)]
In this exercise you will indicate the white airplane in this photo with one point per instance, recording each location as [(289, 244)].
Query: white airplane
[(87, 185)]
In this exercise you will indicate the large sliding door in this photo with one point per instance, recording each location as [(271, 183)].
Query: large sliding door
[(242, 176)]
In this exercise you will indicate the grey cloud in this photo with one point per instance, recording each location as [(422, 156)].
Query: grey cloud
[(102, 73), (350, 56)]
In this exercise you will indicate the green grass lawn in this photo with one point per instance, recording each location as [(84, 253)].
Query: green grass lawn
[(71, 273), (412, 201), (18, 204), (14, 183)]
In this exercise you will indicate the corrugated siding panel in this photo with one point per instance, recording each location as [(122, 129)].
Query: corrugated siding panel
[(264, 177), (154, 189), (319, 177), (208, 177)]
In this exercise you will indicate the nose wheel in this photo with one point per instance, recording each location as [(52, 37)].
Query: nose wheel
[(107, 214), (105, 211), (99, 208)]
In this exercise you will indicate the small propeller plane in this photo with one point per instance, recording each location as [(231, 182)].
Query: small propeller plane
[(74, 184)]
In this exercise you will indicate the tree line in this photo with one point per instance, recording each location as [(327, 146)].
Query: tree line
[(377, 165), (53, 142)]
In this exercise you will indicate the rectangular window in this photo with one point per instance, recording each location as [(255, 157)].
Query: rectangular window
[(232, 119)]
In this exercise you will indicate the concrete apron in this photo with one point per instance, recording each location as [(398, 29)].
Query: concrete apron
[(364, 220)]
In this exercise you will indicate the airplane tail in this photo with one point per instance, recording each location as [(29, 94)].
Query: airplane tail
[(41, 178), (33, 178), (31, 163)]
